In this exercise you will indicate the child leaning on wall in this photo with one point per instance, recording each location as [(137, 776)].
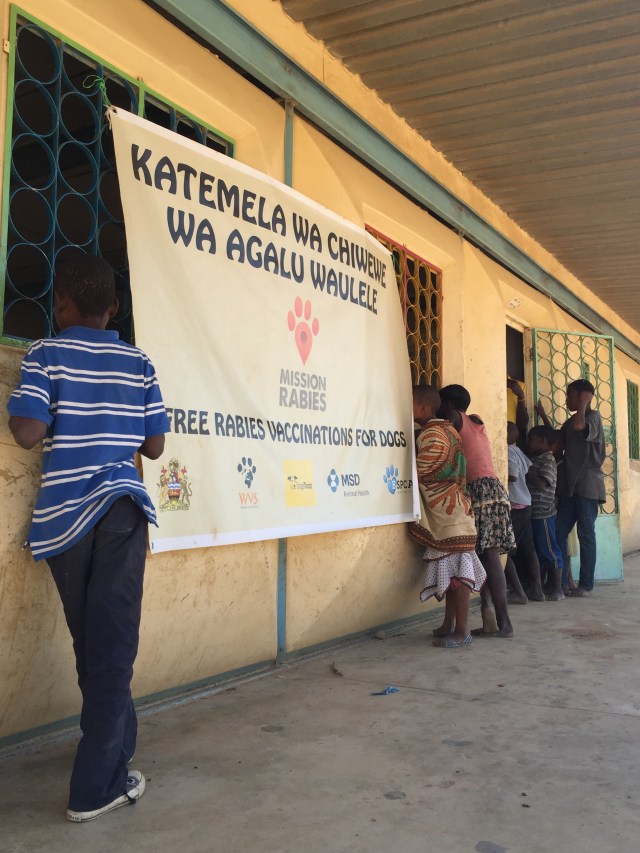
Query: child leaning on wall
[(447, 527), (93, 401), (491, 508)]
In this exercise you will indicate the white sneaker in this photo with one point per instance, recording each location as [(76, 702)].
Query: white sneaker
[(134, 790)]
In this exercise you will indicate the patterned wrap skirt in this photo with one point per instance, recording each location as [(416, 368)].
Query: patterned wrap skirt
[(444, 571), (492, 512)]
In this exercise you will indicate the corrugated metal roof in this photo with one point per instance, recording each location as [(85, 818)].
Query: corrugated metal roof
[(536, 101)]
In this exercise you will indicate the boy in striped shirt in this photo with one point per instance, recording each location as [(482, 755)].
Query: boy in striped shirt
[(541, 480), (93, 401)]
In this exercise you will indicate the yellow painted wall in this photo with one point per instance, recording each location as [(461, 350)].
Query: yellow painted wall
[(629, 470), (269, 17), (477, 293), (206, 611), (212, 610)]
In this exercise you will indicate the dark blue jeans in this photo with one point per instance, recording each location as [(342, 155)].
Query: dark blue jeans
[(584, 512), (547, 548), (100, 581)]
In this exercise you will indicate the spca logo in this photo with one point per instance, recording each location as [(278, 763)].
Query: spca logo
[(391, 479)]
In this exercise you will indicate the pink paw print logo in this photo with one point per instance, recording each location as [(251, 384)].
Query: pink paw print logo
[(304, 333)]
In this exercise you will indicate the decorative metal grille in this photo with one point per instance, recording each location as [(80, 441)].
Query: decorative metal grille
[(63, 195), (420, 289), (561, 358), (633, 414)]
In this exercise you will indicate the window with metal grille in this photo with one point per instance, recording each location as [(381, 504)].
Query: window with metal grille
[(420, 290), (61, 193), (634, 423)]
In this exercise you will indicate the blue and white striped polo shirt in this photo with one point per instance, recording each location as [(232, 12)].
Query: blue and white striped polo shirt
[(100, 399)]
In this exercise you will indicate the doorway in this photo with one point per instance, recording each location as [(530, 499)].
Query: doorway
[(559, 358), (515, 344)]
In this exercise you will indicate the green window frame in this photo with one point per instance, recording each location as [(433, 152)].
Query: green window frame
[(60, 189), (633, 415), (420, 290)]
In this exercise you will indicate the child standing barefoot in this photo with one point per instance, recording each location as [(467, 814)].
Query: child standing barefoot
[(447, 528)]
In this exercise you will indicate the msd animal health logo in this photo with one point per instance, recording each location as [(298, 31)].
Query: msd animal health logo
[(335, 480), (350, 484)]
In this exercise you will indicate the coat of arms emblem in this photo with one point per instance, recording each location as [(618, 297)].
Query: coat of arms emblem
[(174, 488)]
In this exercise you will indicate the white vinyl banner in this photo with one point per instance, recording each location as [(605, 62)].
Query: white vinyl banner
[(277, 335)]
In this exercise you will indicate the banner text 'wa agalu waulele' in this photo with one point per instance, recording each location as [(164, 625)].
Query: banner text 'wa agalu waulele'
[(277, 335)]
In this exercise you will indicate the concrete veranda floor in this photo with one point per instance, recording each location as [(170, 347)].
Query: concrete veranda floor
[(524, 746)]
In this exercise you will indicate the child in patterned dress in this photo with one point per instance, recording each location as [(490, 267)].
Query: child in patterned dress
[(447, 526), (491, 507)]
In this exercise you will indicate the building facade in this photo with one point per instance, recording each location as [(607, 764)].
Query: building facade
[(472, 306)]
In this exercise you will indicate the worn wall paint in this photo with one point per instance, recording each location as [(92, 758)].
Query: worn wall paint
[(205, 611), (347, 582), (213, 610)]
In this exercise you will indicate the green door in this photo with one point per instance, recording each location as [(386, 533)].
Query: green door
[(558, 359)]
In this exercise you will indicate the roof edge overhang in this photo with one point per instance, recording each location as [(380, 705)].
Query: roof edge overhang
[(236, 39)]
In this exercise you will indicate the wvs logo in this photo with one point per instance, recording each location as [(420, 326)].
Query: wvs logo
[(247, 470), (335, 480)]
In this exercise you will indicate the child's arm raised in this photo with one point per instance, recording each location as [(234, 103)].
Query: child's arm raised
[(27, 432), (544, 417), (156, 421), (522, 415), (579, 421), (29, 405), (152, 447)]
